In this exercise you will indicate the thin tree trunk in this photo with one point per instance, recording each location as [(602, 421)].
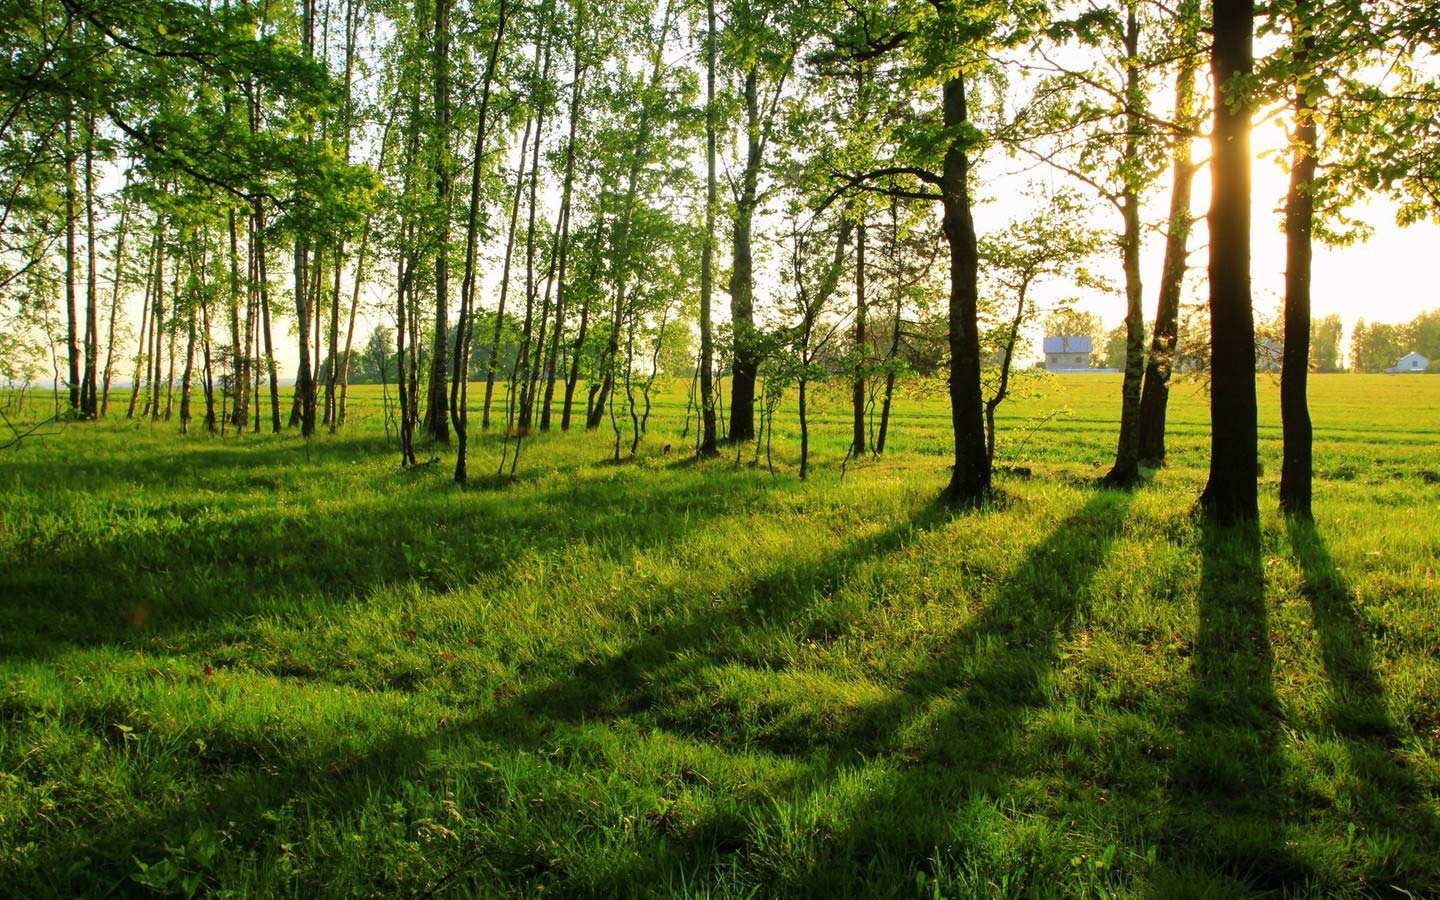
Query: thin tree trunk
[(970, 478), (1126, 470), (157, 333), (437, 422), (1295, 470), (119, 280), (707, 390), (72, 347), (1155, 394), (742, 273), (505, 274), (142, 342), (893, 353), (265, 328), (464, 324), (520, 374), (857, 397), (582, 330), (577, 89), (239, 343), (170, 344), (89, 392), (188, 373), (621, 277)]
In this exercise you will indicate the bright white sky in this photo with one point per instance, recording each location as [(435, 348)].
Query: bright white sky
[(1390, 278)]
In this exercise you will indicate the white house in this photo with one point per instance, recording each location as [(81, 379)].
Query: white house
[(1269, 355), (1067, 354), (1409, 363)]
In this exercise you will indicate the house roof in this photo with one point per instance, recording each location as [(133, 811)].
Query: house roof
[(1413, 355), (1067, 344)]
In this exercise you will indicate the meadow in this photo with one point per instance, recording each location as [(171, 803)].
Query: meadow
[(260, 666)]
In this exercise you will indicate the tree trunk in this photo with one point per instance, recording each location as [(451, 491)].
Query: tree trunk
[(141, 345), (742, 272), (707, 351), (239, 343), (72, 347), (1126, 470), (894, 352), (437, 422), (119, 279), (520, 374), (304, 380), (505, 273), (1155, 394), (265, 329), (464, 324), (857, 394), (89, 392), (1295, 470), (1231, 493), (970, 478), (157, 334), (582, 331), (576, 93)]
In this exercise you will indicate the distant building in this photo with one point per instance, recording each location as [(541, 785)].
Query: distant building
[(1268, 355), (1068, 354), (1409, 364)]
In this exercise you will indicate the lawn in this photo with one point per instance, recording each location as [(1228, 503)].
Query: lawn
[(260, 666)]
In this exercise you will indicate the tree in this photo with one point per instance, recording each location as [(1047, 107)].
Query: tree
[(1164, 341), (707, 256), (1231, 493), (1056, 243), (1325, 344)]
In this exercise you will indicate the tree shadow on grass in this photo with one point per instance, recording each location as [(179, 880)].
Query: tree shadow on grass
[(246, 782), (1227, 811), (946, 743), (151, 571), (1386, 798), (628, 680)]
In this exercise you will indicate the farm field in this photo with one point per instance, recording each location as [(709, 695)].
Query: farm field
[(257, 666)]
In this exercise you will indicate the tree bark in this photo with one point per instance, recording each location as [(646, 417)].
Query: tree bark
[(437, 422), (970, 478), (464, 323), (742, 272), (708, 445), (577, 90), (265, 330), (857, 394), (1126, 470), (1295, 469), (89, 392), (72, 348), (1155, 393), (1231, 492), (119, 279), (505, 273)]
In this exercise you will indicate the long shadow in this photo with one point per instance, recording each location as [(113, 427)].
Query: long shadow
[(1228, 810), (951, 732), (152, 571), (628, 680), (1388, 798), (619, 685)]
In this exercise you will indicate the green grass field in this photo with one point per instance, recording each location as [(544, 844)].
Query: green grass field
[(252, 666)]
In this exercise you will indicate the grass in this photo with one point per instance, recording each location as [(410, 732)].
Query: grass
[(257, 666)]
